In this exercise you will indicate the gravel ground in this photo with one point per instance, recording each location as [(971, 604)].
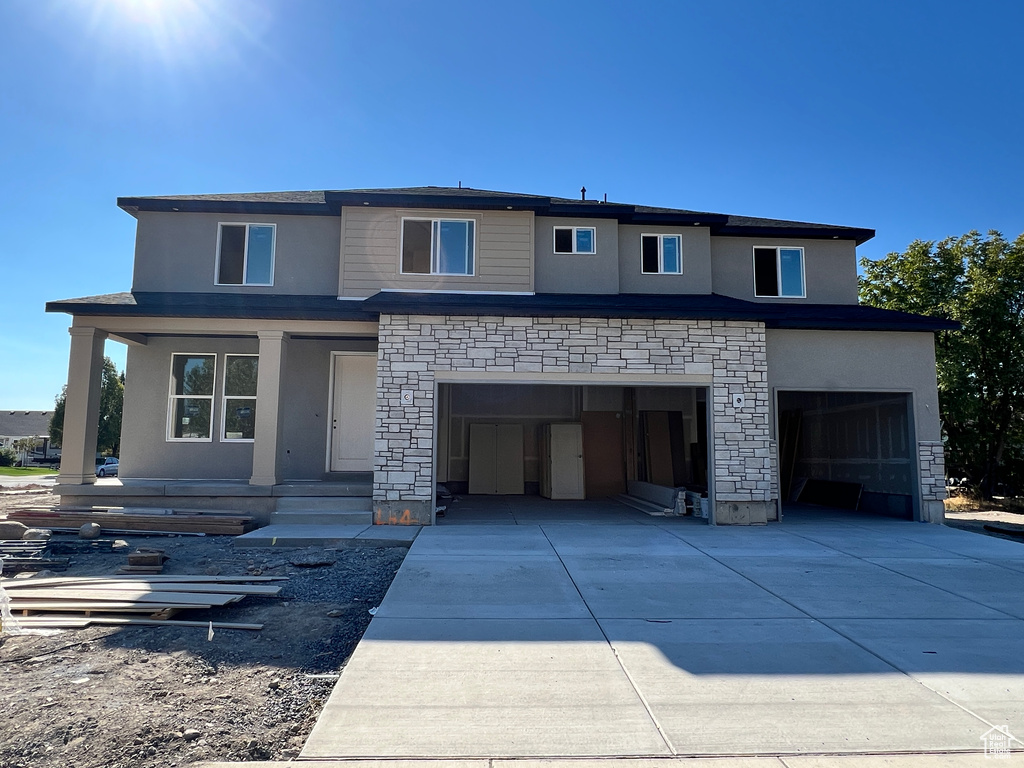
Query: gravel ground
[(164, 696)]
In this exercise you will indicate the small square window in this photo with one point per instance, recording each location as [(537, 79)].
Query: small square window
[(661, 254), (438, 246), (246, 254), (581, 240), (779, 272)]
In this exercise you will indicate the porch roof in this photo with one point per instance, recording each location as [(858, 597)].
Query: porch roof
[(625, 306)]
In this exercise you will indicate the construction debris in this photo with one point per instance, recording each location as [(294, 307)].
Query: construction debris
[(21, 555), (71, 603), (136, 521)]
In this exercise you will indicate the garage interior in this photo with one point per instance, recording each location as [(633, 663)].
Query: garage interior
[(571, 441), (847, 450)]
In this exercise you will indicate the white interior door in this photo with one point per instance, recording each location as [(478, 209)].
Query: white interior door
[(353, 413), (567, 461)]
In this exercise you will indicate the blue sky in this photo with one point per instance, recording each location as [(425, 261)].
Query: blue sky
[(903, 117)]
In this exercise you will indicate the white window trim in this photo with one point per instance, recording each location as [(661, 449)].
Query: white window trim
[(778, 271), (224, 402), (661, 252), (171, 397), (433, 254), (575, 247), (245, 254)]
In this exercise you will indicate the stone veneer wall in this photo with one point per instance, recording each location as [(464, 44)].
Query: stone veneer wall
[(932, 465), (730, 354)]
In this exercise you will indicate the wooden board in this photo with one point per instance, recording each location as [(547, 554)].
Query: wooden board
[(135, 596), (82, 606), (163, 577), (156, 586), (57, 621), (604, 467)]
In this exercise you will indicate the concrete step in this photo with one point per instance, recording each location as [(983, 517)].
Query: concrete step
[(362, 516), (355, 487), (333, 536), (325, 503)]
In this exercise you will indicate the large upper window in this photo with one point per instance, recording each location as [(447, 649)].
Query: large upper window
[(239, 412), (438, 246), (575, 240), (779, 272), (245, 254), (190, 408), (661, 254)]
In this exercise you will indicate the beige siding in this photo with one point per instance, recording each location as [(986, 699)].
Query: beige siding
[(370, 252)]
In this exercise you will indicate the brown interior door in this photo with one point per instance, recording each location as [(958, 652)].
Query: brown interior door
[(604, 470)]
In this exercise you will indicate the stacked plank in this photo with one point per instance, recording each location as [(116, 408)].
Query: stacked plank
[(18, 555), (76, 602), (163, 521)]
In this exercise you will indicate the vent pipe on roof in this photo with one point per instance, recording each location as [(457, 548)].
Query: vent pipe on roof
[(606, 197), (583, 193), (460, 185)]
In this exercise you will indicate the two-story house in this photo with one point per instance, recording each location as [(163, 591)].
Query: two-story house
[(377, 342)]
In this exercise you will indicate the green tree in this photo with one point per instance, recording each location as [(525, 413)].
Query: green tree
[(108, 438), (978, 281)]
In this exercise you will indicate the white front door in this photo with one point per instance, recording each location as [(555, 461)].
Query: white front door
[(353, 412)]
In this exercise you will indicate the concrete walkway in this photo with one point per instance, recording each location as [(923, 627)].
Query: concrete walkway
[(620, 635)]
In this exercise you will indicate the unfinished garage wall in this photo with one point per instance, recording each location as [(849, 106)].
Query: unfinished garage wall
[(730, 354)]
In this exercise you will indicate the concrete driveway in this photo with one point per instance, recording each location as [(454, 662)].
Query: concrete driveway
[(618, 634)]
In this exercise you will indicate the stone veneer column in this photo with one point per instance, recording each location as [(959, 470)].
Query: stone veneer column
[(270, 377), (932, 464), (731, 353), (82, 407)]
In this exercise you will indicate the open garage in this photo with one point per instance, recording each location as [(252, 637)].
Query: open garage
[(565, 441), (850, 450)]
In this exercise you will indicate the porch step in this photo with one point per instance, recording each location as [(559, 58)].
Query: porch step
[(332, 536), (324, 503), (322, 517)]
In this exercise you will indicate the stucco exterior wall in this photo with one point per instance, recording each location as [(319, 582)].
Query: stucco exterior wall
[(577, 273), (371, 259), (730, 356), (145, 450), (696, 274), (178, 252), (830, 269)]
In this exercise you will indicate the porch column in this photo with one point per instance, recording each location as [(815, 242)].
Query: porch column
[(82, 407), (273, 357)]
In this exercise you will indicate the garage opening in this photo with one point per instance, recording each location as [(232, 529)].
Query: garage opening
[(575, 442), (847, 450)]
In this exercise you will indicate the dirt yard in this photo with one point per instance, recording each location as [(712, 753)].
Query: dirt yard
[(164, 696)]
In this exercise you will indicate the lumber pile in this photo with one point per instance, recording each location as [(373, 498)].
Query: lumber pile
[(127, 521), (18, 555), (75, 602)]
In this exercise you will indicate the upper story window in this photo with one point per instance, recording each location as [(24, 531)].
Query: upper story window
[(245, 254), (779, 272), (438, 246), (239, 410), (575, 240), (190, 409), (661, 254)]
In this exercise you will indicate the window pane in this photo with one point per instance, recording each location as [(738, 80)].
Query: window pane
[(766, 281), (670, 254), (563, 240), (239, 418), (192, 375), (259, 265), (649, 253), (240, 376), (453, 248), (416, 247), (792, 271), (584, 241), (191, 418), (232, 254)]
